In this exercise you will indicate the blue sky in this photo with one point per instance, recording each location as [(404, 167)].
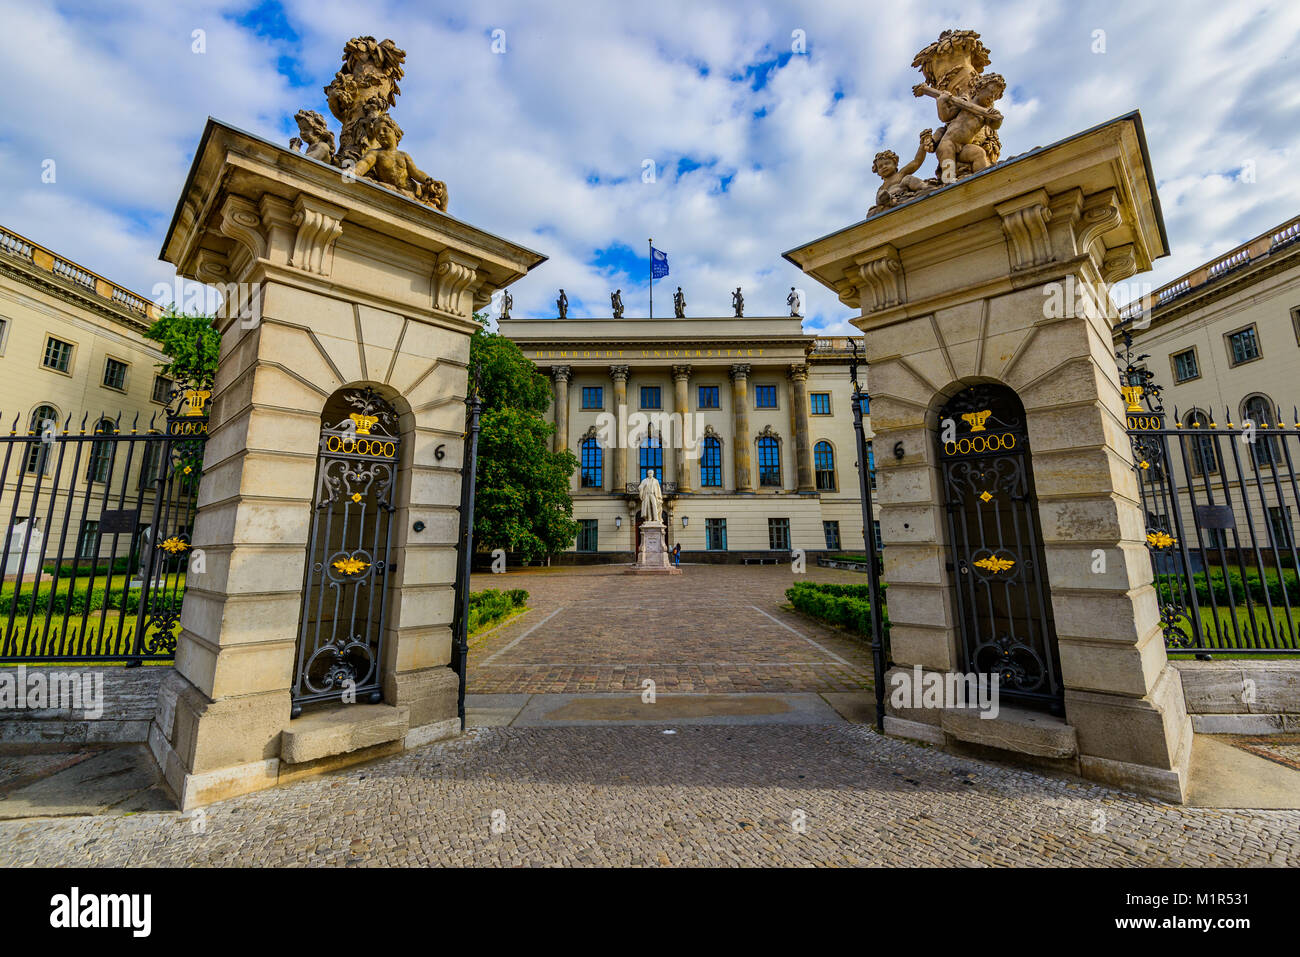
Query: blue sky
[(759, 143)]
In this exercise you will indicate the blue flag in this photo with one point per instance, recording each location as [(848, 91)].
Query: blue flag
[(658, 263)]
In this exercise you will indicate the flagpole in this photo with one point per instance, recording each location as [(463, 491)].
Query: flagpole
[(652, 277)]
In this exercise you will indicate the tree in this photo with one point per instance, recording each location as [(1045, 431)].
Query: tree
[(191, 343), (522, 501)]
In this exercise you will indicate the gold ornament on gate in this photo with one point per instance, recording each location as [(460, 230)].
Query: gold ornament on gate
[(1160, 539), (1133, 396), (196, 398), (976, 420), (995, 564), (350, 566), (174, 545), (364, 423)]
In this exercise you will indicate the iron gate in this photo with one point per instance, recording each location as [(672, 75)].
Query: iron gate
[(340, 638), (1003, 606), (96, 550), (1220, 500)]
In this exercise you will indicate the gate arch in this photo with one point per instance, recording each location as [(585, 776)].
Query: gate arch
[(341, 622), (995, 544)]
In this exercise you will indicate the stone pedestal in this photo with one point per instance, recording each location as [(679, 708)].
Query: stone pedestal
[(331, 285), (1002, 278), (652, 556)]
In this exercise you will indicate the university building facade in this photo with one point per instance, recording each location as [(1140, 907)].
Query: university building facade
[(747, 423)]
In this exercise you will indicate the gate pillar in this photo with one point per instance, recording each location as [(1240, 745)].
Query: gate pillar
[(333, 283), (1002, 277)]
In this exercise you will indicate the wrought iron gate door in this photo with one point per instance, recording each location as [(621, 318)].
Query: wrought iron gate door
[(1000, 587), (340, 638)]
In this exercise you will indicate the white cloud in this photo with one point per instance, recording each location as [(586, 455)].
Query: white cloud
[(592, 89)]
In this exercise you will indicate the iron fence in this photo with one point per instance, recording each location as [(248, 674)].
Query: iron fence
[(1220, 499), (96, 548)]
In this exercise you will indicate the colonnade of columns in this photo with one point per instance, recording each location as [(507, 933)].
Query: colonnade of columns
[(742, 441)]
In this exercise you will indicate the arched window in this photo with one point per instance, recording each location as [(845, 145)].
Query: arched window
[(824, 466), (769, 462), (1258, 410), (593, 461), (1202, 450), (100, 461), (38, 454), (652, 457), (711, 463)]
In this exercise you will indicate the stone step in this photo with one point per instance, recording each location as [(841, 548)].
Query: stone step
[(1014, 729), (342, 728)]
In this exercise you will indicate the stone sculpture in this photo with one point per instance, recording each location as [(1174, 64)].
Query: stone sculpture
[(562, 305), (679, 304), (652, 498), (792, 301), (738, 303), (953, 67), (360, 96), (616, 301), (507, 303), (316, 134)]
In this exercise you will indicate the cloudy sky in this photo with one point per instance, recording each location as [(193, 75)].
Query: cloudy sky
[(756, 147)]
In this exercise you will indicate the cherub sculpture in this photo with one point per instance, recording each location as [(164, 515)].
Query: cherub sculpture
[(395, 168), (317, 135), (969, 143), (897, 183)]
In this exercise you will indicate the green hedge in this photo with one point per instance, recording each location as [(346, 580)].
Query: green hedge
[(846, 605), (491, 605), (82, 602), (1272, 585)]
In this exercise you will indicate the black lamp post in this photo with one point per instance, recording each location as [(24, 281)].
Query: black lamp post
[(869, 536)]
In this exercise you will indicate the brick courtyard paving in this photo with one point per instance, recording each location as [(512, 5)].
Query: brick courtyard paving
[(716, 628), (701, 796)]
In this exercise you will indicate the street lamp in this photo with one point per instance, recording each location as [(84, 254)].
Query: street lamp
[(618, 521), (685, 521), (869, 538)]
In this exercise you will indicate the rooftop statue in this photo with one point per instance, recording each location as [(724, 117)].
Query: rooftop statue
[(360, 96), (616, 301), (679, 304)]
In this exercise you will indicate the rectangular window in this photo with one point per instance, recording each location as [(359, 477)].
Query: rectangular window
[(1279, 519), (593, 464), (1185, 366), (1243, 345), (769, 463), (709, 397), (715, 534), (88, 542), (711, 464), (58, 354), (820, 403), (587, 534), (765, 397), (162, 389), (650, 397), (4, 334), (832, 530), (651, 457), (778, 534), (593, 397), (115, 374)]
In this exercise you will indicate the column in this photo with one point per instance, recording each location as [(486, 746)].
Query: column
[(740, 412), (619, 406), (681, 405), (799, 421), (561, 374)]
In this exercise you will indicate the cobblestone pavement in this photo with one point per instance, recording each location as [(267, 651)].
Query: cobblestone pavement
[(747, 795), (715, 628)]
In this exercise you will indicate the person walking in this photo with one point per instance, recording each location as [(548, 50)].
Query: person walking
[(677, 555)]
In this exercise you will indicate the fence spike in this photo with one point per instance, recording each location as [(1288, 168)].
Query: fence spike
[(84, 417)]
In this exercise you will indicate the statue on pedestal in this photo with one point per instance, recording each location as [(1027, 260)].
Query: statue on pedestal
[(679, 304), (652, 498)]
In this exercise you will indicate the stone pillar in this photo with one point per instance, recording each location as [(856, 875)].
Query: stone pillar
[(804, 479), (619, 451), (740, 414), (343, 284), (561, 375), (1003, 278), (681, 405)]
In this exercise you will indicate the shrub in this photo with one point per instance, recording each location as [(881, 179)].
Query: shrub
[(1273, 585), (845, 605), (490, 605)]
